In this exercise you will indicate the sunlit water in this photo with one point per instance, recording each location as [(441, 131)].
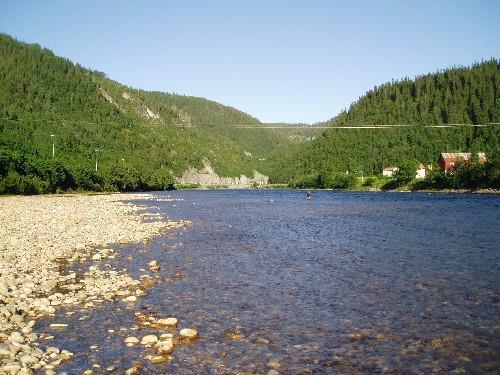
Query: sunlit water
[(344, 283)]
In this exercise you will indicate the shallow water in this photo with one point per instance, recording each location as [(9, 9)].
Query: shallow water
[(344, 283)]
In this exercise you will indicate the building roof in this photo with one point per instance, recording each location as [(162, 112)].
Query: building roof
[(461, 155), (391, 169)]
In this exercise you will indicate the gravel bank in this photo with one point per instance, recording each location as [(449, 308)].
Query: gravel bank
[(36, 234)]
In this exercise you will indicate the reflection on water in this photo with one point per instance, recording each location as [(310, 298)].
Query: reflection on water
[(344, 283)]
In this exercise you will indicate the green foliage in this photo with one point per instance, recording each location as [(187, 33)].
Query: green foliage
[(406, 172), (465, 176), (458, 95), (325, 180), (145, 139)]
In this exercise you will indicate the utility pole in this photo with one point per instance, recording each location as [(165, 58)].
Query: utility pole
[(53, 145), (96, 157)]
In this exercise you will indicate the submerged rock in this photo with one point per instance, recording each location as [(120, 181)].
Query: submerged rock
[(58, 326), (149, 340), (188, 333), (158, 359), (131, 340), (169, 322), (165, 347), (135, 370)]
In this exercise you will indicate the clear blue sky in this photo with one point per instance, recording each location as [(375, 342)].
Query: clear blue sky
[(283, 60)]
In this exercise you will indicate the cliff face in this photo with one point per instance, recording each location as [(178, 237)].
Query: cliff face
[(208, 177)]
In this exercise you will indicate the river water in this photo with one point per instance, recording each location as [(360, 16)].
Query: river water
[(347, 282)]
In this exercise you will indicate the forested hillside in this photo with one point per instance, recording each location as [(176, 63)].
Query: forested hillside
[(59, 122), (143, 139), (458, 95)]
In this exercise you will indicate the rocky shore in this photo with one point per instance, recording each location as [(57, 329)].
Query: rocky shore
[(37, 233)]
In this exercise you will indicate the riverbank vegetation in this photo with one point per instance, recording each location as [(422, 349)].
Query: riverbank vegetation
[(64, 127), (468, 96), (67, 128)]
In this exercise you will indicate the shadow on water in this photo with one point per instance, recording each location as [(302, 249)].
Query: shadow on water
[(343, 283)]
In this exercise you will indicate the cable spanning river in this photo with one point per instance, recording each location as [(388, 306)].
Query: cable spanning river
[(344, 283)]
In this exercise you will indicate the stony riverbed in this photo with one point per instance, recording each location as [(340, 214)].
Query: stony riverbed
[(38, 235)]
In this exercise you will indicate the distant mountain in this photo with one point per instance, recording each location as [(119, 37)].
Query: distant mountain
[(144, 139), (59, 121), (457, 95)]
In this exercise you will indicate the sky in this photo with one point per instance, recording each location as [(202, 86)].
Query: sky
[(277, 60)]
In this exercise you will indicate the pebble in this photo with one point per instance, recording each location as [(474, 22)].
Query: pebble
[(158, 359), (149, 340), (165, 347), (58, 326), (188, 333), (171, 322), (131, 340), (5, 353), (46, 230), (133, 370), (274, 364)]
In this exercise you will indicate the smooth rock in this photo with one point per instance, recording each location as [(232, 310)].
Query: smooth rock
[(158, 359), (11, 368), (171, 322), (131, 340), (165, 347), (133, 371), (5, 353), (29, 360), (274, 364), (188, 333), (16, 337), (149, 340)]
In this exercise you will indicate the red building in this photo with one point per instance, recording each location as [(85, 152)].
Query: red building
[(448, 160)]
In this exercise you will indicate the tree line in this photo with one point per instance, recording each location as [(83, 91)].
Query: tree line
[(42, 95), (458, 95)]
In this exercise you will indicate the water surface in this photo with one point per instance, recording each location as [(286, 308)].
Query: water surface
[(345, 283)]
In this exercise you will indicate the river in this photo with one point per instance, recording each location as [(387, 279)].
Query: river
[(347, 282)]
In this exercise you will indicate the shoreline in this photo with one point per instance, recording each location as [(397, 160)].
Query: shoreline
[(445, 191), (36, 234)]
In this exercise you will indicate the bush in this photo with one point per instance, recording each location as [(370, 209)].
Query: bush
[(340, 181), (406, 173), (12, 183), (34, 185), (305, 182), (370, 181), (86, 179)]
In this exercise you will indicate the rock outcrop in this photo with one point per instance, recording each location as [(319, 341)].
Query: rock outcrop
[(207, 177)]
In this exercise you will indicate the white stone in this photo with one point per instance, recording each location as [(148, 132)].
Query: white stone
[(188, 333), (165, 347), (132, 371), (131, 340), (172, 322), (149, 340), (130, 299)]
